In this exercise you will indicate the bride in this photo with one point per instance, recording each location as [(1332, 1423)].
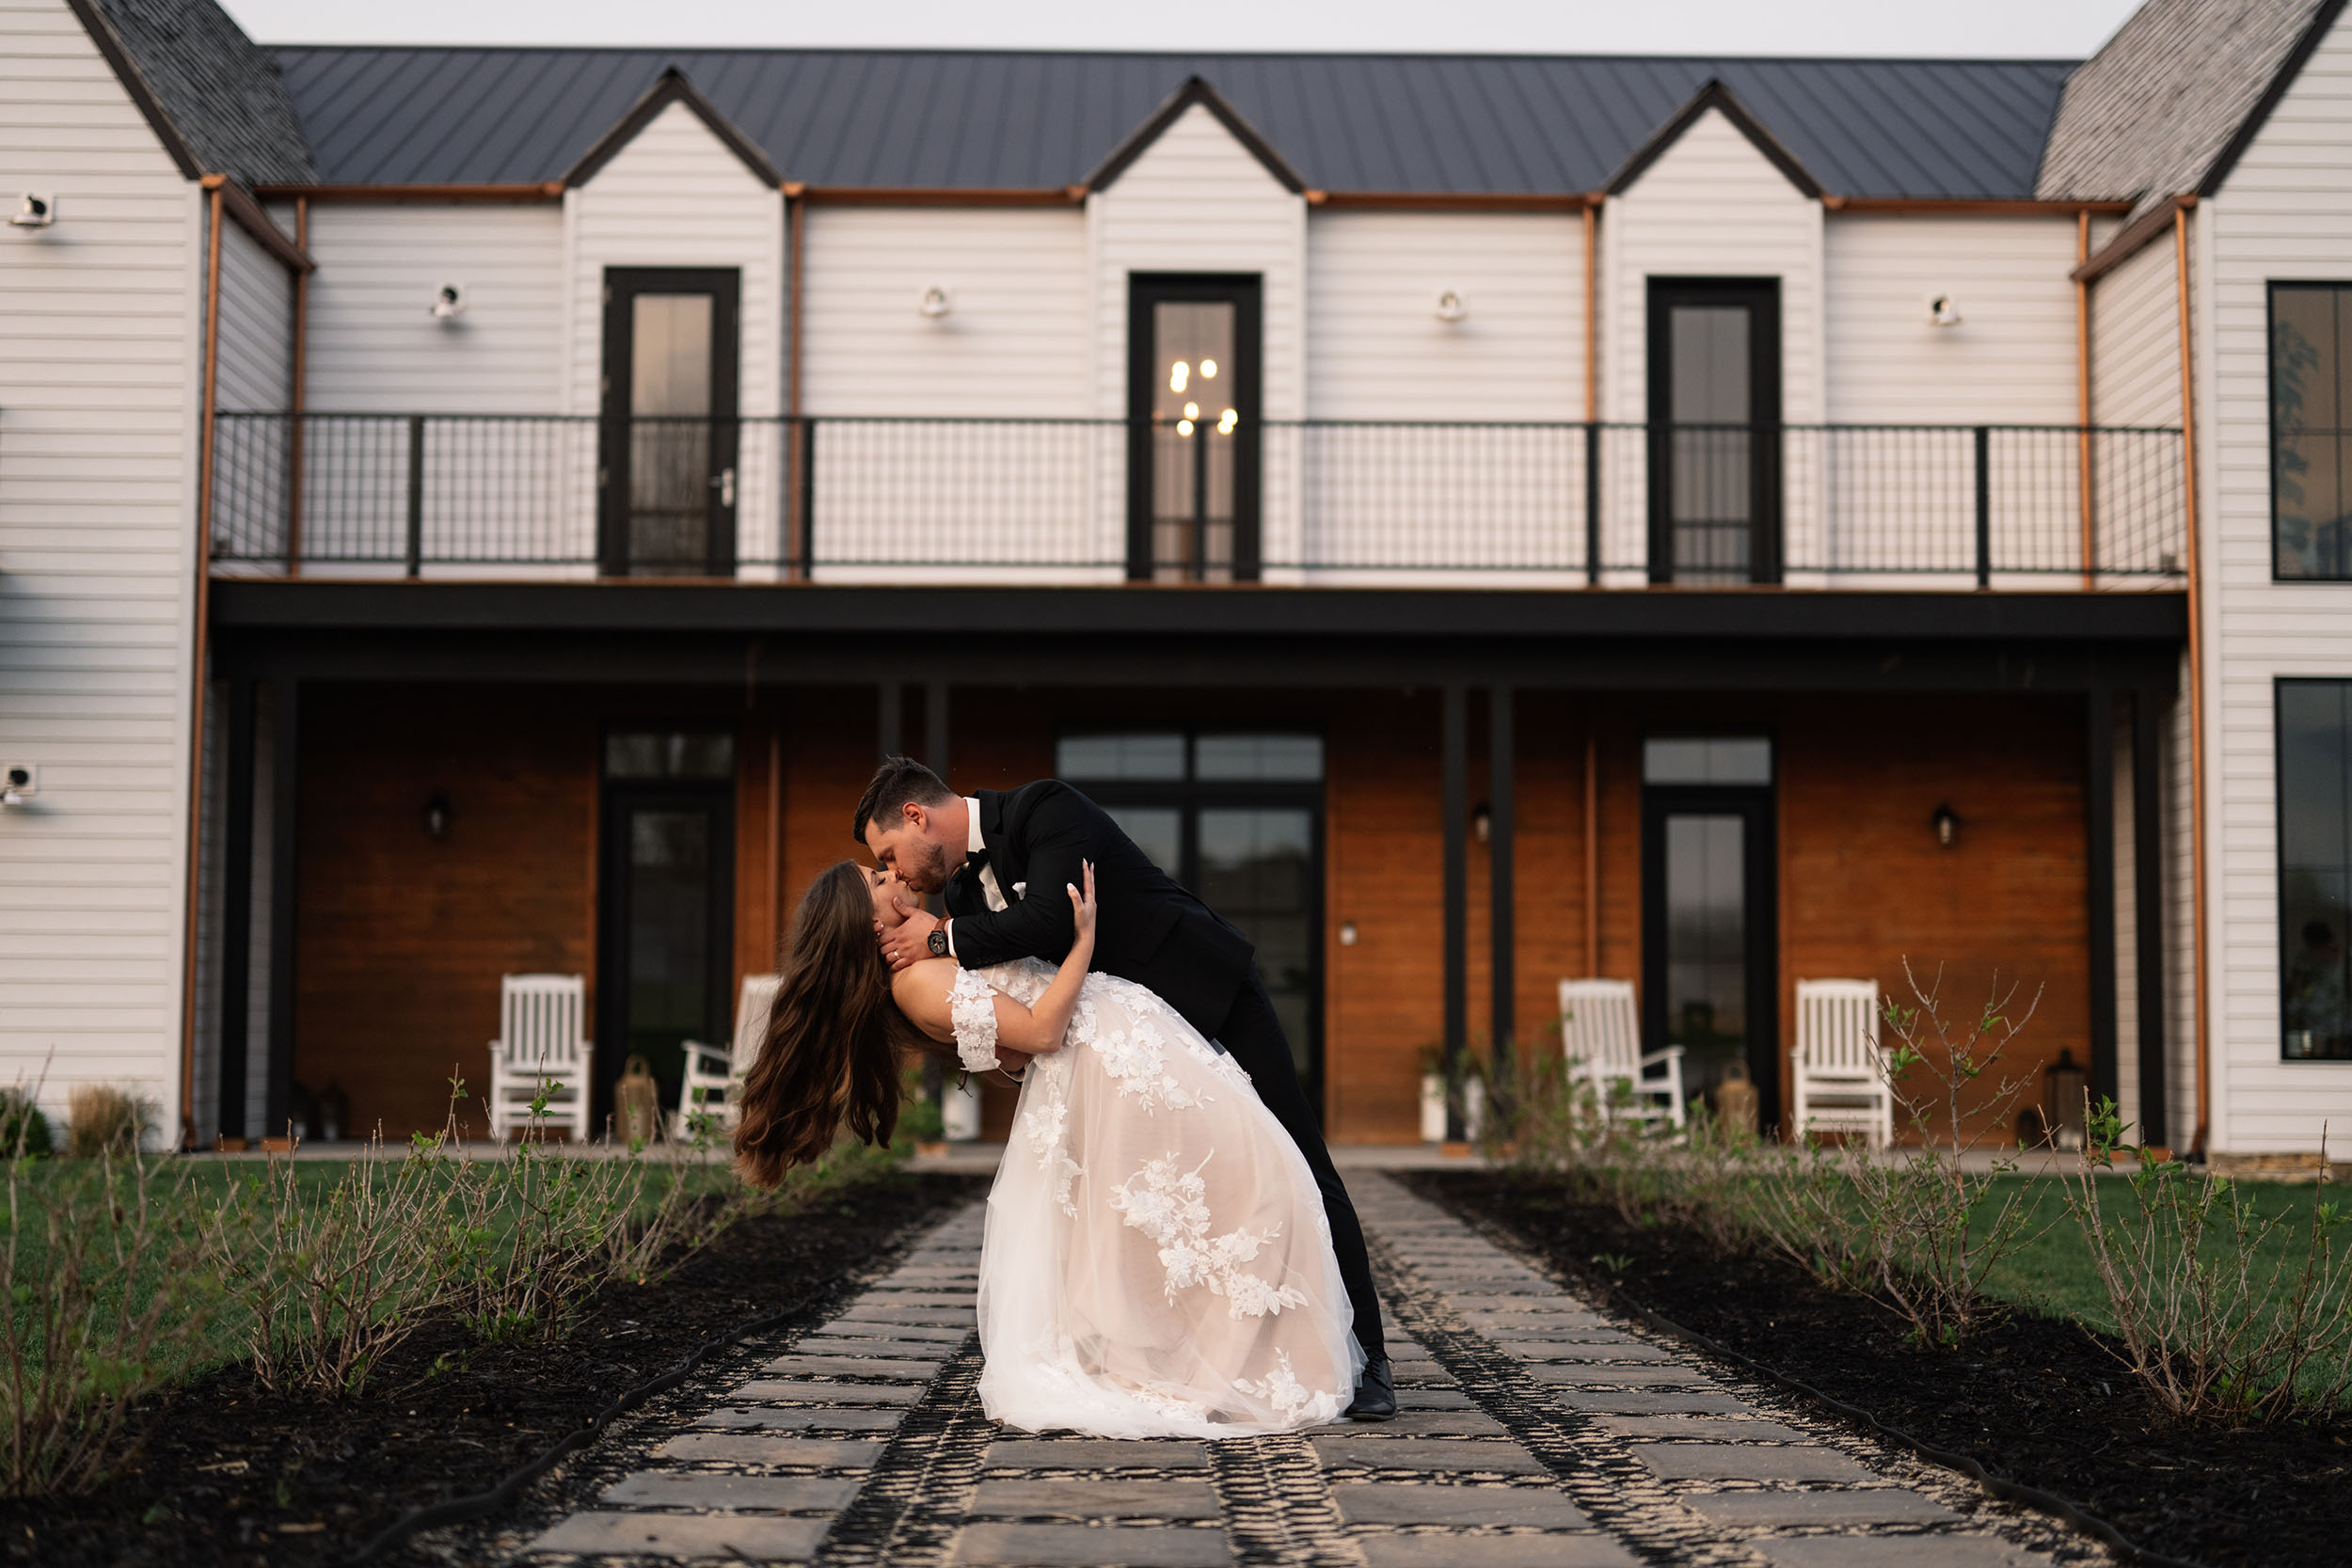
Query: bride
[(1156, 1261)]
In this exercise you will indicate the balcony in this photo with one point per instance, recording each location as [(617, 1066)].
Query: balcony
[(907, 500)]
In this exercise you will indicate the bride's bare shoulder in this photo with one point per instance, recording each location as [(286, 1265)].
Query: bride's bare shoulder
[(921, 991)]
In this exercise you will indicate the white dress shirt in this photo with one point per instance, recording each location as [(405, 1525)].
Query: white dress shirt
[(978, 846)]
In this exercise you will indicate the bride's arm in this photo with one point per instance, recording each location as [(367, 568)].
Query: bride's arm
[(924, 991)]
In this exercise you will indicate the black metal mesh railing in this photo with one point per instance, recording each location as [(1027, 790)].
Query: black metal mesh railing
[(1045, 499)]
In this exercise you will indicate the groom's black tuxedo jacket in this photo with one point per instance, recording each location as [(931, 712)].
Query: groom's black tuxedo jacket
[(1148, 930)]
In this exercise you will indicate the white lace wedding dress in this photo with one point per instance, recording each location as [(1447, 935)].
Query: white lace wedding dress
[(1156, 1263)]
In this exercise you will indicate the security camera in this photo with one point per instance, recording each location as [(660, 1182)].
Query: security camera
[(19, 783), (449, 301), (34, 210), (1943, 311)]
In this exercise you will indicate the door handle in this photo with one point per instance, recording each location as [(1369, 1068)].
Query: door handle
[(724, 482)]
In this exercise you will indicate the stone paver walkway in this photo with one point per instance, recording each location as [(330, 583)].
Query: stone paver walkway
[(1534, 1431)]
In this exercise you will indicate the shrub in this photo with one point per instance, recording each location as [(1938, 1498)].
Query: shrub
[(106, 1294), (102, 1119), (2184, 1275), (24, 1130)]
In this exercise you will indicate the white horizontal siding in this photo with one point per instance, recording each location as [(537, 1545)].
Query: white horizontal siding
[(1711, 206), (374, 344), (98, 415), (2284, 213), (677, 196), (1196, 200), (1392, 495), (2136, 340), (256, 324)]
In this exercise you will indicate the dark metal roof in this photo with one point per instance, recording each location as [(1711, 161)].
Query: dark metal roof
[(1484, 124), (213, 96)]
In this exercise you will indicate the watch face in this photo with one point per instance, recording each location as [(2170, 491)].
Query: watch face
[(938, 941)]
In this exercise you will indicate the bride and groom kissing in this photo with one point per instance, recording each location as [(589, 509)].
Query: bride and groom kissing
[(1169, 1252)]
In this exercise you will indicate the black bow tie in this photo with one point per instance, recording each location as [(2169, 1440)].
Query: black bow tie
[(975, 860)]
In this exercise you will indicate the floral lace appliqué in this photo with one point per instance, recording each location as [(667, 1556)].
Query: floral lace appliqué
[(971, 1006), (1136, 1057), (1171, 1207), (1045, 1125), (1291, 1397)]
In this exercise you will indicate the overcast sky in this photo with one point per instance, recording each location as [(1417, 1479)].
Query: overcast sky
[(2043, 28)]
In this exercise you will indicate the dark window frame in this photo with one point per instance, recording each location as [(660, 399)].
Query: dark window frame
[(1246, 292), (2279, 848), (2271, 291), (622, 285), (1766, 500)]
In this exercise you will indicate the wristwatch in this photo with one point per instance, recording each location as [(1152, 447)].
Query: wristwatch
[(938, 941)]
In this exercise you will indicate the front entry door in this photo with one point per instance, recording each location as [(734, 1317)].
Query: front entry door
[(1238, 819), (666, 904), (1193, 432), (1714, 423), (668, 438), (1709, 962)]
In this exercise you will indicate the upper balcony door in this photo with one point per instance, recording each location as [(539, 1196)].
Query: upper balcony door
[(667, 445), (1714, 421), (1193, 433)]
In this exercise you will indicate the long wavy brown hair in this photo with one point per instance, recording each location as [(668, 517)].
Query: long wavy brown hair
[(831, 1052)]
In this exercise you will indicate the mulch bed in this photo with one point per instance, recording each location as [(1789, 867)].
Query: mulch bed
[(2035, 1400), (229, 1474)]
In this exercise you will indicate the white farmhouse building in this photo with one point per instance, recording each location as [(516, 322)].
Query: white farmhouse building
[(1482, 521)]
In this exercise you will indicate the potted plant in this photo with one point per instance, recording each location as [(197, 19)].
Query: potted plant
[(1468, 1081), (1433, 1094), (919, 1117)]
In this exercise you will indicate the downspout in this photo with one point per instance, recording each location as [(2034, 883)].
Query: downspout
[(296, 401), (2196, 684), (212, 184), (2082, 396)]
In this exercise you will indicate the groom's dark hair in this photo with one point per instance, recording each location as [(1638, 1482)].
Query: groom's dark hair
[(895, 782)]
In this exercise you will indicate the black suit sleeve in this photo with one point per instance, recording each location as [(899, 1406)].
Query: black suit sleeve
[(1057, 839)]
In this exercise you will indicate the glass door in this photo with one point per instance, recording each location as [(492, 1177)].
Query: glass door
[(666, 903), (1238, 819), (666, 468), (1714, 420), (1709, 960), (1193, 447)]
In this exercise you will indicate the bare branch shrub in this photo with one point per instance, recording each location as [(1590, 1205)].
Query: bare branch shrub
[(2183, 1269)]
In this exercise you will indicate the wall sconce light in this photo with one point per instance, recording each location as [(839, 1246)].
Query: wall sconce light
[(1947, 825), (1452, 307), (34, 210), (935, 303), (1943, 311), (19, 783), (1348, 933), (436, 816), (449, 301), (1482, 822)]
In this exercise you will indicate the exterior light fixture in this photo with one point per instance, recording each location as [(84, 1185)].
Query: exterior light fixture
[(1482, 822), (1947, 825), (436, 816), (935, 303), (1452, 307), (449, 301), (1943, 311), (1179, 375), (1208, 370), (34, 210), (19, 783)]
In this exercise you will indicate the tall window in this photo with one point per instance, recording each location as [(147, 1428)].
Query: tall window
[(2311, 430), (2314, 869)]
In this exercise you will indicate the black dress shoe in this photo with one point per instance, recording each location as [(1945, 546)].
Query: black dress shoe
[(1376, 1396)]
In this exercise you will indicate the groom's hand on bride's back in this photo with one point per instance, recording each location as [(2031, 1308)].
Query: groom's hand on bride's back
[(909, 942)]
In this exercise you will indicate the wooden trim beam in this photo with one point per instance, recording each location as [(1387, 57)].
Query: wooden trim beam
[(535, 190), (1455, 201), (2198, 1002), (298, 379), (248, 212), (937, 195), (2082, 401), (1973, 207), (2135, 237)]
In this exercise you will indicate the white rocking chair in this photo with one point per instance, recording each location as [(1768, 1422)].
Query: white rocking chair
[(541, 1042), (1602, 1034), (715, 1074), (1841, 1076)]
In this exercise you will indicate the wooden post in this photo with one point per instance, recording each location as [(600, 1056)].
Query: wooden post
[(2196, 681), (197, 650)]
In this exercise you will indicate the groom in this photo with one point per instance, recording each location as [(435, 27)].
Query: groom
[(985, 851)]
